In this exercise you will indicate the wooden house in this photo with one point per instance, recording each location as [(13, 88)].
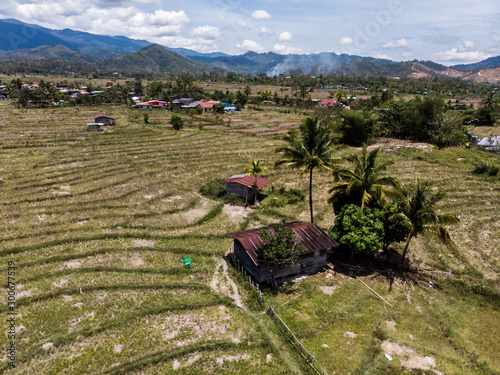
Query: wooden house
[(244, 186), (104, 120), (248, 244)]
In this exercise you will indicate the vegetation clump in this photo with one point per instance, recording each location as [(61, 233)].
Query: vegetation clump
[(281, 246), (177, 122)]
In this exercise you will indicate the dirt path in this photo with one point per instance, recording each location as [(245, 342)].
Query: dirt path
[(221, 282)]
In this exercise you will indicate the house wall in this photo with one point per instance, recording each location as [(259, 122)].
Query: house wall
[(94, 128), (309, 264), (240, 190), (104, 120), (247, 262)]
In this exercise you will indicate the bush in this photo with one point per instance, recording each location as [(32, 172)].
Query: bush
[(177, 122), (484, 167), (213, 189), (283, 197)]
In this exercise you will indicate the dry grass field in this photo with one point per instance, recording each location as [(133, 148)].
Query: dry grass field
[(97, 225)]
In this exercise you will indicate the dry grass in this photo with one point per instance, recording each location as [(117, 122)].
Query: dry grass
[(98, 225)]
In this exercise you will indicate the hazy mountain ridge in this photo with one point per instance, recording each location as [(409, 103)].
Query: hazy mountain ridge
[(155, 59), (23, 41)]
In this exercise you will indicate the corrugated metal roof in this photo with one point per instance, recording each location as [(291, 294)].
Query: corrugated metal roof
[(310, 235), (248, 181)]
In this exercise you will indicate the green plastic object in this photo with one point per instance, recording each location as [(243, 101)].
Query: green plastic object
[(186, 261)]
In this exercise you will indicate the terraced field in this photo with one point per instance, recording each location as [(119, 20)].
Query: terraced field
[(97, 225)]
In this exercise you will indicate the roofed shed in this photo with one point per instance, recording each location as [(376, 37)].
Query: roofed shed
[(248, 244), (104, 120), (244, 186)]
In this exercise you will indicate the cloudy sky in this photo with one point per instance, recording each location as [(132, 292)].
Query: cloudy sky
[(445, 31)]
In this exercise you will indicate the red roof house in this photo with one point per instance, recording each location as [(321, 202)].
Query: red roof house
[(244, 186), (248, 244)]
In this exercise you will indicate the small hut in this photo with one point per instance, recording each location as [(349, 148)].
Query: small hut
[(244, 186), (104, 120), (247, 246), (94, 127)]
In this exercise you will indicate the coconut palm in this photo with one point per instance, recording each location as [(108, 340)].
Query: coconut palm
[(255, 169), (310, 147), (363, 185), (418, 208)]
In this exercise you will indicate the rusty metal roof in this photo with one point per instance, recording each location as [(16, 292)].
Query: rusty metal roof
[(310, 235), (248, 181)]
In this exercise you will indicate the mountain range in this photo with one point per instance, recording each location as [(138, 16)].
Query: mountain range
[(22, 41)]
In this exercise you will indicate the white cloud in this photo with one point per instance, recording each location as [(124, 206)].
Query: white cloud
[(399, 44), (238, 26), (249, 45), (464, 53), (347, 41), (265, 31), (284, 36), (261, 15), (383, 56), (284, 50), (206, 32)]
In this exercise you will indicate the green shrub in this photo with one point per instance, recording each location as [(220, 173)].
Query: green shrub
[(484, 167), (213, 189), (283, 197), (177, 122)]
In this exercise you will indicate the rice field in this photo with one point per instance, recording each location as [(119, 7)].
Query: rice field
[(97, 225)]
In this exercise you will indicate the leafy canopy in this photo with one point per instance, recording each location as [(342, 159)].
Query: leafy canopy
[(281, 245)]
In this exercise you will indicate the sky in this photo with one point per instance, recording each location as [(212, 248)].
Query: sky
[(445, 31)]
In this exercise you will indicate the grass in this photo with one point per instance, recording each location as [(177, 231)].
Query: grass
[(97, 225)]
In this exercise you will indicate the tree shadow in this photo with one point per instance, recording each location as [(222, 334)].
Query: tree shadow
[(386, 264)]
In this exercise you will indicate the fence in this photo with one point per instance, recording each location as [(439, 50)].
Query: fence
[(306, 354), (433, 273)]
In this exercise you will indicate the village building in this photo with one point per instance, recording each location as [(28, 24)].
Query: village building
[(104, 120), (245, 186), (95, 127), (143, 105), (317, 243), (328, 103)]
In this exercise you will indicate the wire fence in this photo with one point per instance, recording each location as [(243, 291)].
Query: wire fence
[(298, 344)]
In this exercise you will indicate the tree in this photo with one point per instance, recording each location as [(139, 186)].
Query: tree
[(266, 94), (363, 185), (418, 208), (357, 127), (311, 147), (247, 91), (341, 96), (177, 122), (241, 99), (358, 233), (281, 246), (255, 169)]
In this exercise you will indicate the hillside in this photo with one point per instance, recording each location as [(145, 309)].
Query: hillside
[(29, 42), (155, 59), (60, 52), (491, 62), (21, 35)]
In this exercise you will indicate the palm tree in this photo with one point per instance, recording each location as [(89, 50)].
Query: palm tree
[(418, 209), (311, 147), (254, 169), (363, 185)]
